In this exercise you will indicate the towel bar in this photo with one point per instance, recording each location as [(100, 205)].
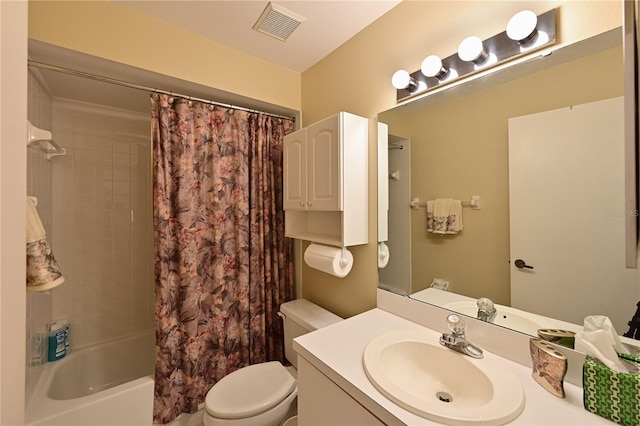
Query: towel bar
[(474, 203)]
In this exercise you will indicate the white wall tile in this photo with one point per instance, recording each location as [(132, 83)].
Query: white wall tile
[(93, 211)]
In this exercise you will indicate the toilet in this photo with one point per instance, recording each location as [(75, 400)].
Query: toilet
[(265, 394)]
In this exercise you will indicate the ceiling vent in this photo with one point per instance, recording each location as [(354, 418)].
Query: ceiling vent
[(278, 22)]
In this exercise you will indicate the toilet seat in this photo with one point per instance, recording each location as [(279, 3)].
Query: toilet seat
[(250, 391)]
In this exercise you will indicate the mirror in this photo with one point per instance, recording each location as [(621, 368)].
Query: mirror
[(455, 144)]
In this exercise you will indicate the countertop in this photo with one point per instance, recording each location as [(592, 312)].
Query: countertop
[(337, 351)]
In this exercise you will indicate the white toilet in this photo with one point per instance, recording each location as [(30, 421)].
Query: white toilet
[(265, 394)]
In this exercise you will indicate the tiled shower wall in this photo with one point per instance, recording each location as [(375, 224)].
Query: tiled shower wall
[(39, 185), (102, 221)]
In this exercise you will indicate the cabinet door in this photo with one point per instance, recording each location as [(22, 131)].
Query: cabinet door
[(324, 165), (295, 170), (323, 402)]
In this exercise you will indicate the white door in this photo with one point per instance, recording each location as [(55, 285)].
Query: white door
[(566, 192)]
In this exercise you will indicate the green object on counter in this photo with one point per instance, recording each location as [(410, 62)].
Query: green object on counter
[(611, 394)]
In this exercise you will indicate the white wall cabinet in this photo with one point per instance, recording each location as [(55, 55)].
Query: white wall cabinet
[(326, 181), (312, 157)]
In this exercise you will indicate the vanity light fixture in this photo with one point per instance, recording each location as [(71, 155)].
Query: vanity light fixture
[(402, 80), (526, 33), (522, 27), (432, 67), (472, 49)]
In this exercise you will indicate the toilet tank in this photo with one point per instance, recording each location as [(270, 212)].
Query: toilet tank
[(300, 317)]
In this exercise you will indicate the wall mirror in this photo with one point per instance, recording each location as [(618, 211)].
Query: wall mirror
[(456, 144)]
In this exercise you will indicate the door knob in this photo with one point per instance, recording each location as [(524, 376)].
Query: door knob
[(522, 264)]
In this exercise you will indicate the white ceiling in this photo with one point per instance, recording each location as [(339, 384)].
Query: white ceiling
[(328, 24)]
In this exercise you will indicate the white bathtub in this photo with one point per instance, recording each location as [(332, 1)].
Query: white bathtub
[(106, 384)]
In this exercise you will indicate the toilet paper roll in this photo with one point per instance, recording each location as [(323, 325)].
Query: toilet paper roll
[(383, 254), (328, 259)]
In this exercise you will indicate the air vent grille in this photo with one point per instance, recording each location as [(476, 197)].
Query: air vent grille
[(278, 22)]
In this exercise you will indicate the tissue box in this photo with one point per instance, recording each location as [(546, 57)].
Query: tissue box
[(611, 394), (634, 358)]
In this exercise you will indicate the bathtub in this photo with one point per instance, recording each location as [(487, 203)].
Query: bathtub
[(107, 384)]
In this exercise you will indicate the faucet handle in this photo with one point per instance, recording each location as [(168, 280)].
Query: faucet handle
[(455, 324), (485, 304)]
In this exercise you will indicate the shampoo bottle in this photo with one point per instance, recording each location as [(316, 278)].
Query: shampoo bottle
[(57, 349), (67, 335)]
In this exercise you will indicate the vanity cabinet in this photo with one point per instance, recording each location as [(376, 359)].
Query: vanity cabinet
[(326, 181), (322, 402)]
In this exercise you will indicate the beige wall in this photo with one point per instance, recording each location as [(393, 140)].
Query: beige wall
[(356, 78), (459, 148), (110, 31)]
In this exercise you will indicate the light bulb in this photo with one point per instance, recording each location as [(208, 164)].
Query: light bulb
[(432, 67), (472, 50), (402, 80), (522, 26)]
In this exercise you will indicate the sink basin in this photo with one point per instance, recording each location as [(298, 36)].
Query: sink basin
[(506, 317), (440, 384)]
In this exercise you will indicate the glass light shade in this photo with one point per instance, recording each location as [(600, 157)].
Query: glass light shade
[(401, 79), (432, 66), (522, 26), (471, 49)]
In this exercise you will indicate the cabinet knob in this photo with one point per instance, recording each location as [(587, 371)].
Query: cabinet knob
[(309, 203), (302, 203)]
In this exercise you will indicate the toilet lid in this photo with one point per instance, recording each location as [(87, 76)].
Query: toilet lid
[(250, 391)]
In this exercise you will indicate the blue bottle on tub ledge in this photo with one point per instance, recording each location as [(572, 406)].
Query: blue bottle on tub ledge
[(58, 340)]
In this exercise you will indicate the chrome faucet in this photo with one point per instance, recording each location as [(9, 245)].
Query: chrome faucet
[(456, 340), (486, 311)]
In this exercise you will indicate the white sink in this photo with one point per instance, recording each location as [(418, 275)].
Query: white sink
[(440, 384), (514, 319)]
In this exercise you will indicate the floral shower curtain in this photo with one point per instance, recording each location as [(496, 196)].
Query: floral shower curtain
[(222, 263)]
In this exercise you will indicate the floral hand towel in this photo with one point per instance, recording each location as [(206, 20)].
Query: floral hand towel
[(43, 272), (444, 216)]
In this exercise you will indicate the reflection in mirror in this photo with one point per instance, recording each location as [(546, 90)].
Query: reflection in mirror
[(455, 144)]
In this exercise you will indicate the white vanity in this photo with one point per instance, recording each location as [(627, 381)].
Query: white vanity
[(334, 388)]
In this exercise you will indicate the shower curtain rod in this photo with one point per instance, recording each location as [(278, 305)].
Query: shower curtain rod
[(145, 88)]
